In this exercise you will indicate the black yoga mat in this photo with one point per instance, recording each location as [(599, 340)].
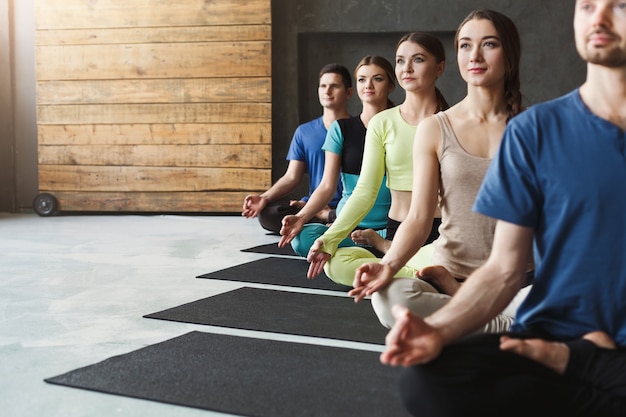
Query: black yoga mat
[(248, 377), (283, 312), (272, 249), (276, 271)]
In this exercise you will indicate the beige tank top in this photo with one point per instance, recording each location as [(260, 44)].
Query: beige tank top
[(465, 237)]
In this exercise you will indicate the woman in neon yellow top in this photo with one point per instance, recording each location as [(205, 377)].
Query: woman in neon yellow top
[(420, 60)]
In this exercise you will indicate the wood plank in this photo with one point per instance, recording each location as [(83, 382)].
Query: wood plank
[(214, 156), (153, 105), (195, 90), (156, 134), (153, 60), (58, 14), (154, 113), (104, 178), (94, 36), (172, 202)]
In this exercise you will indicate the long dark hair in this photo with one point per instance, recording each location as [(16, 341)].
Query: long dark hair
[(386, 66), (435, 47), (512, 46)]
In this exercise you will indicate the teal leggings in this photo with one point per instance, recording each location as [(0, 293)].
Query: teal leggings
[(311, 231)]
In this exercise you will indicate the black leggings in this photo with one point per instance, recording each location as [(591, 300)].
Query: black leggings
[(271, 217), (392, 228), (474, 377)]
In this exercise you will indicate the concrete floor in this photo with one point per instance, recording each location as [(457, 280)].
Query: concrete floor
[(74, 288)]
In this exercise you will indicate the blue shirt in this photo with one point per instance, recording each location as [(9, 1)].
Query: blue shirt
[(561, 170), (306, 146)]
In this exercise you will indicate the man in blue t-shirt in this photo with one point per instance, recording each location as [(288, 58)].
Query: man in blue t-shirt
[(305, 156), (558, 188)]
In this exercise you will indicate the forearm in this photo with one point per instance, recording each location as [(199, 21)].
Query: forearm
[(482, 297), (318, 200), (410, 237), (280, 189), (488, 290)]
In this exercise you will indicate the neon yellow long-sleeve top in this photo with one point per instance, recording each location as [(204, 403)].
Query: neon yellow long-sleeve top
[(388, 151)]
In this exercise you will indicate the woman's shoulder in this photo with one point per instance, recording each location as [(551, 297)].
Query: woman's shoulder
[(350, 122), (458, 111), (433, 122), (386, 115)]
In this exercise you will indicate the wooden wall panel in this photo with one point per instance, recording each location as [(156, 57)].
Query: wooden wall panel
[(191, 90), (176, 202), (232, 156), (154, 113), (156, 60), (153, 105), (103, 36), (132, 178), (85, 14), (157, 133)]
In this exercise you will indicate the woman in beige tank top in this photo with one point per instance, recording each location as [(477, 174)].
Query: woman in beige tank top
[(450, 157)]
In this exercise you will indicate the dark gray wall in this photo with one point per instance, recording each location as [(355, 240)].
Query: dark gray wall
[(310, 33)]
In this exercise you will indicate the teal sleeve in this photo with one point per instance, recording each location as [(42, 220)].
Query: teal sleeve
[(334, 139), (302, 243), (365, 192)]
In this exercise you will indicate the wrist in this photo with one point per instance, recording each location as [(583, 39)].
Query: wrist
[(391, 264)]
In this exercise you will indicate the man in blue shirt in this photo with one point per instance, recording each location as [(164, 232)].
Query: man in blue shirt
[(305, 155), (558, 188)]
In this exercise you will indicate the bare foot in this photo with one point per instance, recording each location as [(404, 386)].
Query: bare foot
[(440, 278), (369, 237), (323, 214), (554, 355), (601, 340)]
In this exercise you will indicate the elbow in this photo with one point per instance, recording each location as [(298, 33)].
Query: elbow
[(507, 275)]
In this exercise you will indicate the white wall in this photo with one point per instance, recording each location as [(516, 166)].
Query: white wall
[(18, 122), (24, 103), (7, 166)]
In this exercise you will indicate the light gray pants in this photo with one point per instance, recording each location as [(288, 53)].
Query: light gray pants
[(422, 299)]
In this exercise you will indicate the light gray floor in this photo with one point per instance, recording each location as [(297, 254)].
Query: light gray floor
[(74, 288)]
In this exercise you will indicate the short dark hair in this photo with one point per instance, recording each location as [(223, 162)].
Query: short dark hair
[(343, 72)]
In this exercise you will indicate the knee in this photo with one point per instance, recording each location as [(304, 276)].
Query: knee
[(381, 305), (307, 236), (421, 298), (300, 247), (397, 292), (409, 391), (342, 266), (413, 389), (270, 220), (269, 224), (339, 272)]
